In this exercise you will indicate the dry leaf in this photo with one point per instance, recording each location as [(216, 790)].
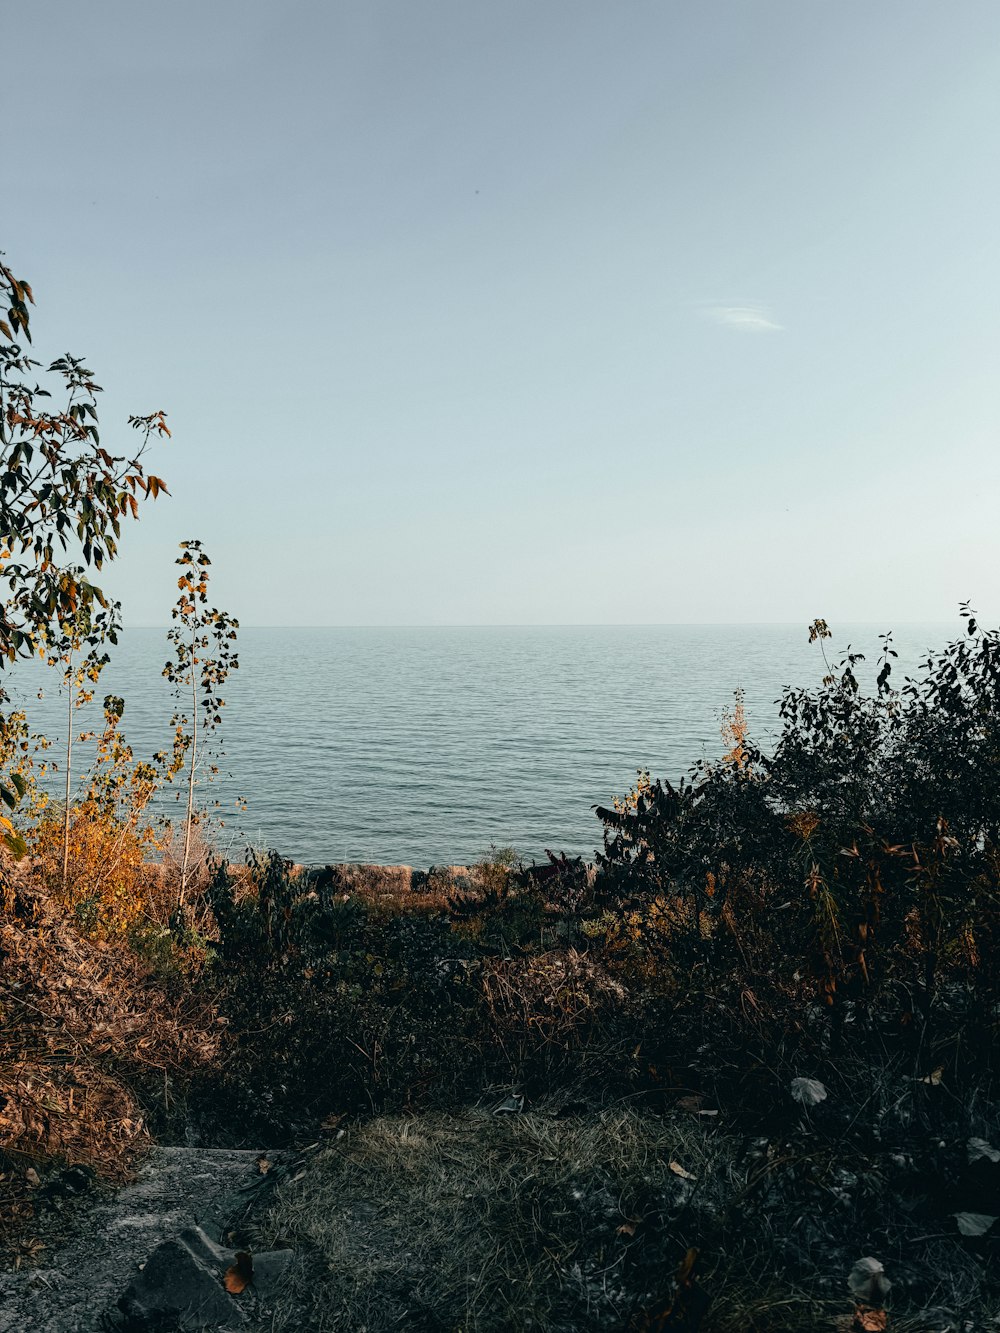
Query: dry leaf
[(979, 1148), (808, 1091), (628, 1228), (263, 1165), (934, 1077), (678, 1170), (239, 1277), (31, 1176), (686, 1267), (974, 1224), (869, 1319)]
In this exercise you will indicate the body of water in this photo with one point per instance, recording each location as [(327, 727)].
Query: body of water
[(425, 745)]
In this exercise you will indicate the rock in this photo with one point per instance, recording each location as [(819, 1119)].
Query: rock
[(181, 1280), (868, 1282), (268, 1267)]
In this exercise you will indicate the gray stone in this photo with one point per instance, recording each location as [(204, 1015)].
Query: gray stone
[(182, 1280), (268, 1268)]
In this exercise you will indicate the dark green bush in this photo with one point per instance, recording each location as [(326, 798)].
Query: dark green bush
[(334, 1006), (833, 900)]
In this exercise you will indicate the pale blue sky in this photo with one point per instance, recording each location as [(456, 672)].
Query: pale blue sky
[(556, 311)]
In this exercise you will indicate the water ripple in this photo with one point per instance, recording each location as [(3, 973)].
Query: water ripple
[(423, 745)]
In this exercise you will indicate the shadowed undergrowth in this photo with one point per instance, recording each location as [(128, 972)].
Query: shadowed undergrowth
[(484, 1223)]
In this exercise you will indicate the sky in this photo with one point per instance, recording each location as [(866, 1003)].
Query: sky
[(557, 311)]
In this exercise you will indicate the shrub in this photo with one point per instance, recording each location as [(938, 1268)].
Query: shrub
[(837, 895), (96, 857), (338, 1005), (91, 1045), (343, 1003)]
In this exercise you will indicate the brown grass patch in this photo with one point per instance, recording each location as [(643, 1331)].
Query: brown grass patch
[(87, 1038)]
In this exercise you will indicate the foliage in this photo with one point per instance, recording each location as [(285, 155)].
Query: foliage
[(496, 909), (89, 1042), (202, 639), (19, 751), (59, 483), (736, 731), (60, 647), (99, 863), (59, 487), (336, 1002), (342, 1003), (850, 874)]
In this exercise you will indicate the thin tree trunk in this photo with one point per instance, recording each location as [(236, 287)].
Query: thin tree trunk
[(190, 800), (69, 772)]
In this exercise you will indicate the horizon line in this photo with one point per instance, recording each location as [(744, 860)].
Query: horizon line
[(563, 624)]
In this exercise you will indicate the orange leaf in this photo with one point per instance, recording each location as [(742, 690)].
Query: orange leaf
[(867, 1319), (239, 1277)]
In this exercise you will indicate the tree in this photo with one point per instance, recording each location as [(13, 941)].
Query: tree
[(62, 494), (202, 640)]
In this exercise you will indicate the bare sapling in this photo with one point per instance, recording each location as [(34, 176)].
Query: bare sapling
[(202, 638)]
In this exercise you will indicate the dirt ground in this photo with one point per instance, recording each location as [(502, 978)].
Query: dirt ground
[(74, 1284)]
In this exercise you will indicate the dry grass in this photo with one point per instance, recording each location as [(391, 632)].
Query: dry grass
[(478, 1223), (111, 885), (482, 1222), (85, 1034)]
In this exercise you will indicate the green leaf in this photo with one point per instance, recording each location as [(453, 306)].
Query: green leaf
[(16, 845)]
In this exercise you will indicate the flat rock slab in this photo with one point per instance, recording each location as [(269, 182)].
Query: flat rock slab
[(72, 1290)]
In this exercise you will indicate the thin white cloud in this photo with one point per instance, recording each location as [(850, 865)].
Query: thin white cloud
[(744, 318)]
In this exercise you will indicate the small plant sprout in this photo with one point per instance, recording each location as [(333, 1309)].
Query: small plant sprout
[(202, 638), (735, 731)]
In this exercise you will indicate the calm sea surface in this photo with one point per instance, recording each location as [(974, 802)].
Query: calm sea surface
[(424, 745)]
